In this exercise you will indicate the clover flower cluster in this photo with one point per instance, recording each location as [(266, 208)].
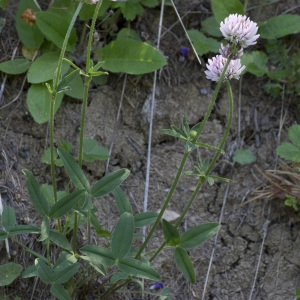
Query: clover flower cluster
[(240, 32)]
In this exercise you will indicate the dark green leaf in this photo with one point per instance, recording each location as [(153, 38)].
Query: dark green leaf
[(45, 227), (211, 27), (223, 8), (44, 271), (122, 202), (144, 219), (59, 239), (73, 169), (117, 277), (65, 204), (185, 264), (30, 272), (98, 255), (122, 236), (64, 260), (109, 182), (61, 276), (171, 234), (133, 267), (8, 218), (203, 44), (197, 235), (9, 272), (15, 66), (64, 83), (3, 235), (59, 292)]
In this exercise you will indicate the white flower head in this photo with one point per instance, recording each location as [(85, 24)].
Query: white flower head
[(240, 30), (216, 65)]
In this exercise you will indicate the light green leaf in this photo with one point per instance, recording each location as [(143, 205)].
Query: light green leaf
[(223, 8), (244, 157), (109, 182), (171, 234), (45, 227), (15, 66), (133, 267), (38, 102), (144, 219), (132, 57), (37, 198), (122, 202), (289, 152), (185, 264), (294, 135), (122, 236), (74, 171), (9, 272), (198, 234), (92, 151), (8, 218), (98, 255), (279, 26), (255, 62), (64, 260), (203, 44), (55, 31)]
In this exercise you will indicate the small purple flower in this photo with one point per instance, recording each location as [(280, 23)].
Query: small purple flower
[(157, 286), (184, 51), (240, 30), (216, 65)]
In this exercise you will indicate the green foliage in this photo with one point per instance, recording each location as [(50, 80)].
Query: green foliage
[(203, 44), (223, 8), (291, 151), (244, 157), (292, 202), (9, 272), (16, 66), (92, 151)]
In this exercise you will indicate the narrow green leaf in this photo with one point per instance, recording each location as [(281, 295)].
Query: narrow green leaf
[(185, 264), (65, 204), (64, 83), (144, 219), (61, 276), (37, 198), (132, 57), (73, 169), (44, 271), (75, 88), (109, 182), (15, 66), (59, 239), (133, 267), (197, 235), (9, 272), (92, 151), (3, 235), (223, 8), (23, 229), (38, 102), (45, 227), (171, 234), (173, 133), (64, 260), (59, 292), (117, 277), (122, 236), (122, 202), (55, 31), (30, 272), (98, 255), (8, 218)]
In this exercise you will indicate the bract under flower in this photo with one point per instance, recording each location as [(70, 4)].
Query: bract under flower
[(216, 65), (239, 30)]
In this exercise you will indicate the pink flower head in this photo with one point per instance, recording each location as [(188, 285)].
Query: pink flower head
[(239, 30), (216, 65)]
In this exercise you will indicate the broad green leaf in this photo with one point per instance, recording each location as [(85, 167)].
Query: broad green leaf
[(255, 62), (197, 235), (65, 8), (15, 66), (61, 276), (76, 88), (3, 235), (279, 26), (92, 151), (109, 182), (65, 204), (74, 171), (37, 198), (59, 292), (133, 267), (38, 102), (30, 272), (211, 27), (223, 8), (289, 152), (66, 80), (98, 255), (46, 158), (203, 44), (130, 9), (9, 272), (171, 234), (43, 68), (128, 33), (149, 3), (185, 264), (30, 35), (87, 10), (8, 218), (45, 227), (132, 57), (294, 135), (122, 202), (122, 236), (64, 260), (55, 31), (44, 271), (47, 190), (244, 157), (144, 219), (118, 276), (59, 239), (2, 5)]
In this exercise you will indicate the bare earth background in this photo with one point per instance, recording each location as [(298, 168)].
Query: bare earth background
[(182, 90)]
